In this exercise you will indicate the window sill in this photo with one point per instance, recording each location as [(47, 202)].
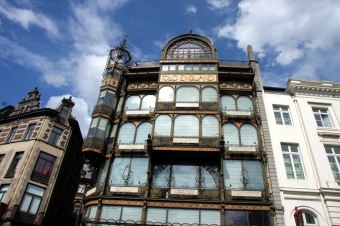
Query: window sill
[(328, 129)]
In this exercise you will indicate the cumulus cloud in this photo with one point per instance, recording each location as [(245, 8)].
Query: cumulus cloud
[(27, 18), (191, 9), (78, 110), (218, 4)]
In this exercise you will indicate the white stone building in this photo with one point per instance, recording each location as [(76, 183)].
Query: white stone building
[(304, 128)]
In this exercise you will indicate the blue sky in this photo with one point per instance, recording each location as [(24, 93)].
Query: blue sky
[(62, 46)]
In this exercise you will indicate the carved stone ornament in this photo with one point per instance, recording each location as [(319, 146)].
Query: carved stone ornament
[(246, 85), (153, 84), (122, 202), (224, 84), (132, 85), (143, 85), (235, 85)]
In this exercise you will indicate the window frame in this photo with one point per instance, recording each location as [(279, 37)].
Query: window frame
[(11, 134), (95, 131), (319, 113), (236, 104), (3, 190), (29, 131), (281, 112), (39, 176), (64, 111), (336, 158), (14, 165), (2, 156), (54, 137), (292, 163), (136, 130), (31, 201)]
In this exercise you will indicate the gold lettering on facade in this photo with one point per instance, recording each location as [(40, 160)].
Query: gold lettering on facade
[(188, 78)]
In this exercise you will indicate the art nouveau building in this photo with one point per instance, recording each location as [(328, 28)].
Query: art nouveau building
[(304, 125), (40, 158), (183, 139)]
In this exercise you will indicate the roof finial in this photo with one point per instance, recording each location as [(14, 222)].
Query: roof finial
[(123, 43), (190, 32)]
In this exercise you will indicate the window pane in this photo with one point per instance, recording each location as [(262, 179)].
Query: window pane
[(139, 167), (186, 94), (172, 67), (183, 216), (205, 67), (254, 171), (181, 67), (248, 135), (35, 190), (230, 133), (185, 176), (186, 125), (109, 98), (132, 103), (148, 102), (209, 181), (111, 212), (132, 213), (163, 125), (93, 212), (258, 218), (126, 133), (119, 171), (278, 118), (159, 180), (244, 103), (286, 118), (104, 172), (228, 103), (232, 174), (195, 67), (156, 215), (309, 218), (101, 127), (236, 218), (34, 205), (210, 217), (26, 202), (165, 67), (209, 94), (93, 127), (142, 132), (210, 126), (166, 94)]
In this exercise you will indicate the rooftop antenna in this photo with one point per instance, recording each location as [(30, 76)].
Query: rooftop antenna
[(190, 32)]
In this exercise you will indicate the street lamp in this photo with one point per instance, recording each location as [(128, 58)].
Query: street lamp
[(82, 174)]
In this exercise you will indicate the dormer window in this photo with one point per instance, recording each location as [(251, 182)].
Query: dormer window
[(64, 111), (189, 49)]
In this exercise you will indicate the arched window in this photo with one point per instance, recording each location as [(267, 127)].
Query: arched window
[(166, 94), (148, 102), (189, 49), (142, 132), (127, 133), (64, 111), (186, 125), (187, 94), (163, 125), (132, 103), (210, 126), (244, 103), (248, 135), (98, 127), (106, 97), (230, 133), (309, 219), (209, 94), (228, 103)]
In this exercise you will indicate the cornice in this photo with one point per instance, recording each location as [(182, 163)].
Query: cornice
[(313, 88)]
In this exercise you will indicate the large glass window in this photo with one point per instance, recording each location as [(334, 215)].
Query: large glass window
[(183, 216), (14, 164), (228, 103), (121, 213), (128, 134), (243, 175), (333, 154), (186, 125), (148, 102), (90, 212), (247, 218), (106, 97), (210, 126), (166, 94), (142, 132), (11, 134), (309, 219), (29, 131), (244, 103), (189, 49), (132, 103), (322, 118), (230, 133), (187, 94), (163, 125), (55, 136), (248, 135), (32, 199), (64, 111), (43, 168), (292, 160), (3, 190), (98, 127), (209, 94), (129, 172), (282, 116)]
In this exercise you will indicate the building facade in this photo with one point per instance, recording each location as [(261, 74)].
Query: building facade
[(304, 125), (183, 139), (40, 158)]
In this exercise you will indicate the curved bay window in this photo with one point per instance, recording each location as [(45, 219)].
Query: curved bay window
[(98, 127), (136, 103), (129, 172), (189, 49), (129, 135), (245, 136), (106, 97), (242, 103), (242, 175)]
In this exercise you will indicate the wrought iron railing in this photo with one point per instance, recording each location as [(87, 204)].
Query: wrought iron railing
[(150, 63), (95, 143), (205, 106), (159, 140), (104, 109), (233, 62)]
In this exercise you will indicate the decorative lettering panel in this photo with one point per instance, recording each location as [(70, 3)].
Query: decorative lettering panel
[(188, 78)]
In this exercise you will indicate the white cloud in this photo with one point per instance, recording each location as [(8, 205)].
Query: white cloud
[(218, 4), (288, 30), (27, 18), (80, 110), (191, 9)]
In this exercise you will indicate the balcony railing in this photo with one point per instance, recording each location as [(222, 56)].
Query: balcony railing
[(204, 106), (136, 113), (130, 147), (195, 141), (150, 63), (233, 63), (103, 109), (94, 143), (246, 114)]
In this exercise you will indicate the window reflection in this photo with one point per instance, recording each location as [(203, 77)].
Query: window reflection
[(187, 94), (247, 218), (166, 94), (186, 125)]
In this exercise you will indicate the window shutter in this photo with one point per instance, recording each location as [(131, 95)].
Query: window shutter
[(111, 212), (101, 127), (156, 215), (210, 217), (148, 102), (132, 213), (183, 216)]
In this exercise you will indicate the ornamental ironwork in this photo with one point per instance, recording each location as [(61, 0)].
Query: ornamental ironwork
[(189, 49), (164, 141), (95, 143), (103, 109), (233, 63)]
